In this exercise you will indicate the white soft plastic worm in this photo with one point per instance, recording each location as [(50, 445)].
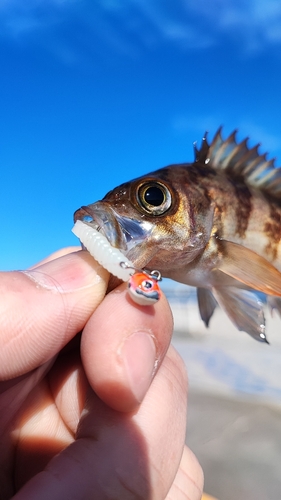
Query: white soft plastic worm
[(106, 255)]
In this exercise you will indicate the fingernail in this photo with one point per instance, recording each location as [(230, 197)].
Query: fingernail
[(139, 356), (69, 273)]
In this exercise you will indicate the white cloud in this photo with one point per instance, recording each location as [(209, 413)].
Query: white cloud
[(19, 25), (190, 24), (253, 24), (20, 17)]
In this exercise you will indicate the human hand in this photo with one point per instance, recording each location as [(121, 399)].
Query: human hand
[(82, 420)]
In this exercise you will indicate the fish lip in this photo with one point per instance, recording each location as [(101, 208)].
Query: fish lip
[(101, 217), (122, 232)]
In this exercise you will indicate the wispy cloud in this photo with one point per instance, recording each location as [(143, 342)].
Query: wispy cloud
[(189, 24), (20, 18), (252, 25)]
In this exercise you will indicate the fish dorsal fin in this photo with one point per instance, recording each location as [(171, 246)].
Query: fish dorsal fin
[(240, 161)]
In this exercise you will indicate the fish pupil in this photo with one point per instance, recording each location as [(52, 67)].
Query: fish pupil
[(154, 196)]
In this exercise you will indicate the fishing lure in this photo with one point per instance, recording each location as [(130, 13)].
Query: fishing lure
[(106, 255), (143, 286)]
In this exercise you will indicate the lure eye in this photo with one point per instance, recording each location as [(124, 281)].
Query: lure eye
[(154, 198), (146, 284)]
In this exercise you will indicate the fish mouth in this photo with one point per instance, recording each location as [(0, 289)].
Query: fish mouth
[(122, 232)]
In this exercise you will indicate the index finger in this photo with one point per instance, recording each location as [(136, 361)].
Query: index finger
[(123, 345)]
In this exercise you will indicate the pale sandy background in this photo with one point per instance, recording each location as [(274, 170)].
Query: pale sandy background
[(234, 422)]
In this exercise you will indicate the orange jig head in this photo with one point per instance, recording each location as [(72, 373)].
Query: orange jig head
[(144, 289)]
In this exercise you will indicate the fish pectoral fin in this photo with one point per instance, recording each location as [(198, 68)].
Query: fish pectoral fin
[(250, 268), (244, 309), (206, 303)]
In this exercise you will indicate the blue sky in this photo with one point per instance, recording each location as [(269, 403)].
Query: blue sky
[(96, 92)]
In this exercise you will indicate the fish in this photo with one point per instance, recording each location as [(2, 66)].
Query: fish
[(214, 224)]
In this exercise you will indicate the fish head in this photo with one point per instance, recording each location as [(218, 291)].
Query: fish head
[(158, 221)]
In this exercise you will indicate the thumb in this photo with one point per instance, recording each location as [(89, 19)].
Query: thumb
[(43, 308)]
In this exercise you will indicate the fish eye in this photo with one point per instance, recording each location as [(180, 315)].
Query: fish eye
[(154, 198)]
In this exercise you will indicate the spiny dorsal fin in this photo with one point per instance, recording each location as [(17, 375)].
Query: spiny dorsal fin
[(202, 153), (240, 161)]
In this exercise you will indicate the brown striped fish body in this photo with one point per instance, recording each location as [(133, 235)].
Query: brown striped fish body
[(214, 224)]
